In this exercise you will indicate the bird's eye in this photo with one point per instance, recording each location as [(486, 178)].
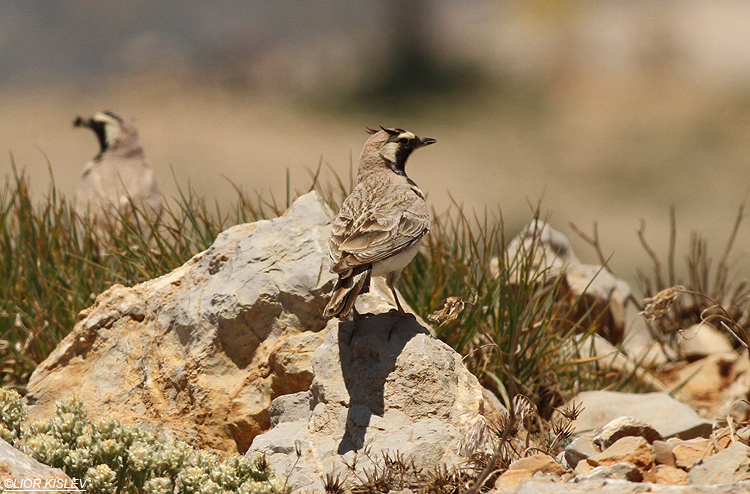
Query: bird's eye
[(403, 140)]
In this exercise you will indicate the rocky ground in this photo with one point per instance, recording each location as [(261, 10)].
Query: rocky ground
[(230, 352)]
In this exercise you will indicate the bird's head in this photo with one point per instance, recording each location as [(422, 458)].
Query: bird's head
[(392, 147), (113, 130)]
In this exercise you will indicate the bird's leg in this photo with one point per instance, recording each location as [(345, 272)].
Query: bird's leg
[(400, 312), (389, 281)]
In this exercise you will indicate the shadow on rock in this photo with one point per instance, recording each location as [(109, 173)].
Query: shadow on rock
[(408, 394), (368, 356)]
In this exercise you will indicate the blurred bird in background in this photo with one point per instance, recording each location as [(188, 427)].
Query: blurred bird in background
[(118, 179)]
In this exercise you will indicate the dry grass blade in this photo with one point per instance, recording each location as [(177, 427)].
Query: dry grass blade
[(711, 292), (333, 484), (652, 254), (593, 241)]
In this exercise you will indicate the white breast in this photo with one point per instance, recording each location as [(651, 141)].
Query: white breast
[(397, 262)]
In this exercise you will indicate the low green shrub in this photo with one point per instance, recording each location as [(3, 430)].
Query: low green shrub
[(110, 458)]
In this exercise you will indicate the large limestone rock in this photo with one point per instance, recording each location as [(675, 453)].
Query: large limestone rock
[(198, 354), (702, 340), (409, 393)]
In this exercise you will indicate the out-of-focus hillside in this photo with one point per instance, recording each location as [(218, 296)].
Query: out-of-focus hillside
[(608, 111)]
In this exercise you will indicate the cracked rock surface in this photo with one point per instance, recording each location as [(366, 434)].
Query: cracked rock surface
[(199, 353), (372, 395)]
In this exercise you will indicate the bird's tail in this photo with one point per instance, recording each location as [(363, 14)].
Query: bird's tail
[(348, 287)]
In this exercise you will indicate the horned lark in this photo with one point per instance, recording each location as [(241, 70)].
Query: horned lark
[(119, 176), (381, 224)]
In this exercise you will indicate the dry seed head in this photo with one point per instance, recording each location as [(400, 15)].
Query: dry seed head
[(571, 411), (333, 484), (452, 308), (476, 439), (523, 407), (660, 303)]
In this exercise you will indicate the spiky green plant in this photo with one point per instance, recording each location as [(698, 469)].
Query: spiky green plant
[(519, 332)]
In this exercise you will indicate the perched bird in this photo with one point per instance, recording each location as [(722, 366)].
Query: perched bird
[(119, 177), (381, 224)]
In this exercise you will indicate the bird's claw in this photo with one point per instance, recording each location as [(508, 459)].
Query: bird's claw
[(402, 314)]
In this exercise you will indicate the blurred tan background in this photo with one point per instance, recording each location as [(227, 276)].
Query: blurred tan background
[(607, 111)]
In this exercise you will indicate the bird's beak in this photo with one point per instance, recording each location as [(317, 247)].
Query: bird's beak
[(424, 141), (82, 122)]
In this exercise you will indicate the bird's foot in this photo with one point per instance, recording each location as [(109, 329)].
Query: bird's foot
[(402, 313), (362, 315), (399, 314)]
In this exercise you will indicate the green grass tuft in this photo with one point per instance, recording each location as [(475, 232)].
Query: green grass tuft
[(52, 267), (518, 332)]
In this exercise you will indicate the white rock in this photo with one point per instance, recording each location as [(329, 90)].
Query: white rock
[(701, 340), (665, 414), (19, 472), (409, 394)]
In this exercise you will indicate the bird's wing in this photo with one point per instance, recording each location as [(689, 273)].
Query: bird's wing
[(375, 224)]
